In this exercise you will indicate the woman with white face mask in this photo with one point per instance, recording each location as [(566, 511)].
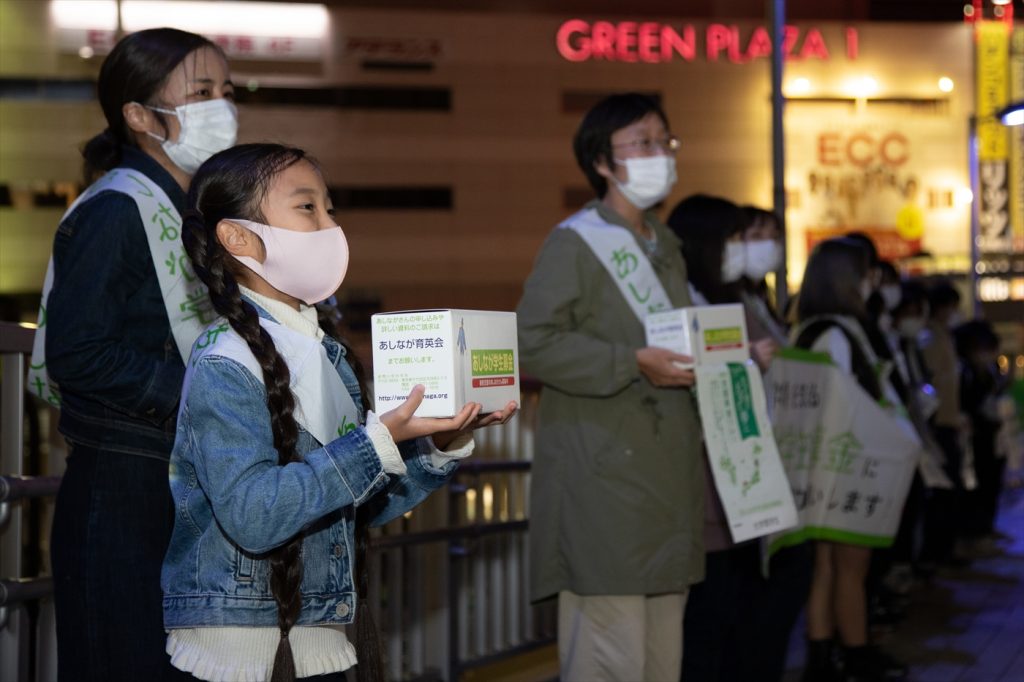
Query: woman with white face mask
[(121, 308), (616, 417), (717, 261)]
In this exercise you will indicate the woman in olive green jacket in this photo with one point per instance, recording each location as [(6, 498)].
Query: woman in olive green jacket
[(617, 500)]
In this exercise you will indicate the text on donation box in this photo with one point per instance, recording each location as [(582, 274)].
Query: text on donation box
[(459, 356), (709, 334)]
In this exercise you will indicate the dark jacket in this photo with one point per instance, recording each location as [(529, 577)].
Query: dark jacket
[(108, 341)]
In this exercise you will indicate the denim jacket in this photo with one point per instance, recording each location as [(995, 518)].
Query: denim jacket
[(234, 503), (108, 341)]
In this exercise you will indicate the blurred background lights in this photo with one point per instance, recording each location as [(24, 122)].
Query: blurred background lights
[(864, 86), (963, 196), (946, 84), (800, 86)]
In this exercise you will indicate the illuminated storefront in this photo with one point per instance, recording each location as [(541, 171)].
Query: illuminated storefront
[(448, 133)]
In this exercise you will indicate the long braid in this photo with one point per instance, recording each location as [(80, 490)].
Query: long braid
[(286, 561), (232, 184), (369, 648)]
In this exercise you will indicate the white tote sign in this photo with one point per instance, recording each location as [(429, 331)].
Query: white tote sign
[(850, 461), (745, 464)]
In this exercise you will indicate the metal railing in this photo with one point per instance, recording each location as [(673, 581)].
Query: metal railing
[(27, 624), (450, 575)]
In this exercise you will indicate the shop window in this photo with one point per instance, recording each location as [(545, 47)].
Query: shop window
[(392, 198), (73, 90), (382, 65), (352, 97)]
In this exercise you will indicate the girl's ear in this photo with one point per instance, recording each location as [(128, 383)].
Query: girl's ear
[(137, 117), (239, 241), (603, 168)]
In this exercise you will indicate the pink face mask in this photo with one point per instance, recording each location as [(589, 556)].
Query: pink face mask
[(307, 265)]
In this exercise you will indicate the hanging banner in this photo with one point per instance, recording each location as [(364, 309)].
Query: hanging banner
[(745, 464), (993, 79), (849, 461), (1016, 134)]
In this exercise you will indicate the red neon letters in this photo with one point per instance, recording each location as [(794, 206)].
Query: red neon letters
[(629, 41)]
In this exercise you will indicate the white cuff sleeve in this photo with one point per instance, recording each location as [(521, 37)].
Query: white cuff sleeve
[(460, 448), (384, 444)]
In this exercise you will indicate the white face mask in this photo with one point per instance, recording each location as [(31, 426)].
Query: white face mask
[(650, 179), (866, 289), (763, 256), (734, 261), (307, 265), (910, 327), (891, 294), (206, 128)]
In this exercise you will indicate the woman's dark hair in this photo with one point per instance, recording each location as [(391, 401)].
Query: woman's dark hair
[(868, 245), (941, 295), (756, 214), (704, 224), (134, 71), (233, 184), (913, 298), (593, 141), (974, 336), (832, 280)]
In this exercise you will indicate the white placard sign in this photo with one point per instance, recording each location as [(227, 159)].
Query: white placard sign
[(745, 464)]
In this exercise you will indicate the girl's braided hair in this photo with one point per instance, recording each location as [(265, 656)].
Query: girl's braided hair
[(233, 184)]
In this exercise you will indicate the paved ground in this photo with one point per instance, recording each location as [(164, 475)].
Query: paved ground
[(965, 625)]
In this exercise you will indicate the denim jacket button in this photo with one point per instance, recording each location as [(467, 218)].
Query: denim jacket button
[(342, 609), (338, 551)]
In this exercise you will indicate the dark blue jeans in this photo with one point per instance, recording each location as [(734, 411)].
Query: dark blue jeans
[(110, 530)]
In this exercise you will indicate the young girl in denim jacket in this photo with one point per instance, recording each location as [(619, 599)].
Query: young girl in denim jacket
[(277, 455)]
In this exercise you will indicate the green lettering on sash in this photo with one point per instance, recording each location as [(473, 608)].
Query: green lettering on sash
[(346, 427), (746, 420)]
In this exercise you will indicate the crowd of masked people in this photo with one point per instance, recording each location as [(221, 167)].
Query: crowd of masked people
[(628, 531), (224, 463)]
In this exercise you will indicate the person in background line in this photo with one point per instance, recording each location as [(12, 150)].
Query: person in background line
[(943, 518), (764, 241), (115, 334), (980, 386), (617, 504), (889, 293), (909, 317), (836, 284), (721, 265)]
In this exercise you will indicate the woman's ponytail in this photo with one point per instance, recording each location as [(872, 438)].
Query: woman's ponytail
[(100, 154)]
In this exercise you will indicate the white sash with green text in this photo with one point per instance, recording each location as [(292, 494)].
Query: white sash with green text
[(624, 260), (323, 406), (185, 298)]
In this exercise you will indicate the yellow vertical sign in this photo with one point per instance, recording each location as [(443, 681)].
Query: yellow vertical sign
[(993, 85), (993, 56), (1016, 135)]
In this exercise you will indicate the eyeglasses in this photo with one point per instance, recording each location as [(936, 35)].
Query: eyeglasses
[(667, 145)]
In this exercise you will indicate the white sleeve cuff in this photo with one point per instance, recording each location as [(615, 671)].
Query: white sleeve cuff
[(384, 444), (460, 448)]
